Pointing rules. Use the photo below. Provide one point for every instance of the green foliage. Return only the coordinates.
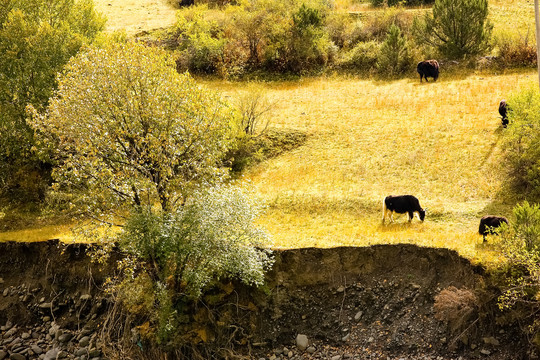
(131, 131)
(343, 29)
(200, 40)
(522, 143)
(457, 28)
(309, 46)
(211, 237)
(399, 2)
(37, 38)
(363, 57)
(394, 58)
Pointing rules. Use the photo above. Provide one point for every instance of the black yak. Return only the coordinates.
(428, 68)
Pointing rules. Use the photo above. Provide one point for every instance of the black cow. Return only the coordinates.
(402, 204)
(503, 110)
(490, 224)
(428, 68)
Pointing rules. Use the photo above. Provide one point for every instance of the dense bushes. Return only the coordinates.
(522, 143)
(278, 36)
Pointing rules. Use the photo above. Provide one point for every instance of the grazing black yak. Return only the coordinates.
(490, 224)
(402, 204)
(428, 68)
(503, 110)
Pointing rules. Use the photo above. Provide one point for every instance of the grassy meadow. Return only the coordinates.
(368, 139)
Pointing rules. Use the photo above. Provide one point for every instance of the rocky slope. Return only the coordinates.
(342, 303)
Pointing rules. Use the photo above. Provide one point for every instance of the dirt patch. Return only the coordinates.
(364, 303)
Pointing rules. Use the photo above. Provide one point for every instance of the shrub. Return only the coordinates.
(520, 244)
(516, 51)
(456, 307)
(309, 45)
(457, 28)
(394, 58)
(343, 29)
(377, 25)
(363, 57)
(399, 2)
(521, 143)
(211, 237)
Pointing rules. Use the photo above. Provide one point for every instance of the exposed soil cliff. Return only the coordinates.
(365, 303)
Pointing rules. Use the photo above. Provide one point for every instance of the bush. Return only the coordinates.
(516, 51)
(399, 2)
(377, 25)
(521, 143)
(456, 307)
(309, 45)
(520, 244)
(343, 29)
(457, 28)
(211, 237)
(394, 58)
(363, 57)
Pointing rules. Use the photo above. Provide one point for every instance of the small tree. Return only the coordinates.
(457, 28)
(131, 131)
(394, 57)
(309, 46)
(37, 38)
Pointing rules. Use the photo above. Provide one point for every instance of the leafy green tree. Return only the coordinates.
(37, 38)
(522, 143)
(394, 57)
(132, 131)
(457, 28)
(309, 45)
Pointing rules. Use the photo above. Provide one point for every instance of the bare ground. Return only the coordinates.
(351, 303)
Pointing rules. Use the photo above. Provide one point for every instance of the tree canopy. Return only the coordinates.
(133, 131)
(37, 38)
(457, 28)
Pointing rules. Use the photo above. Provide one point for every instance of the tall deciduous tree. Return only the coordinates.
(457, 28)
(132, 130)
(37, 38)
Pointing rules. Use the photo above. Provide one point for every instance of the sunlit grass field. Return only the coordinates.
(368, 139)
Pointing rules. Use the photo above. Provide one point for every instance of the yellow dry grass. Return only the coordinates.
(368, 139)
(135, 16)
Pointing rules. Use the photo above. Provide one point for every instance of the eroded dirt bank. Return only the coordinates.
(365, 303)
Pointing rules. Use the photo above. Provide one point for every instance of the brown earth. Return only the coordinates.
(352, 303)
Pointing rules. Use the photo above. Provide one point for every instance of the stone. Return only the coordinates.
(51, 354)
(3, 354)
(485, 352)
(491, 341)
(65, 337)
(311, 349)
(85, 341)
(17, 356)
(358, 315)
(340, 289)
(36, 349)
(25, 335)
(93, 353)
(81, 352)
(302, 342)
(6, 292)
(346, 337)
(336, 357)
(10, 332)
(45, 305)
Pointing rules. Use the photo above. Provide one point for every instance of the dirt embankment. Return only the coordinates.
(366, 303)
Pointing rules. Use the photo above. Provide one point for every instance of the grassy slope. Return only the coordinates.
(364, 136)
(438, 141)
